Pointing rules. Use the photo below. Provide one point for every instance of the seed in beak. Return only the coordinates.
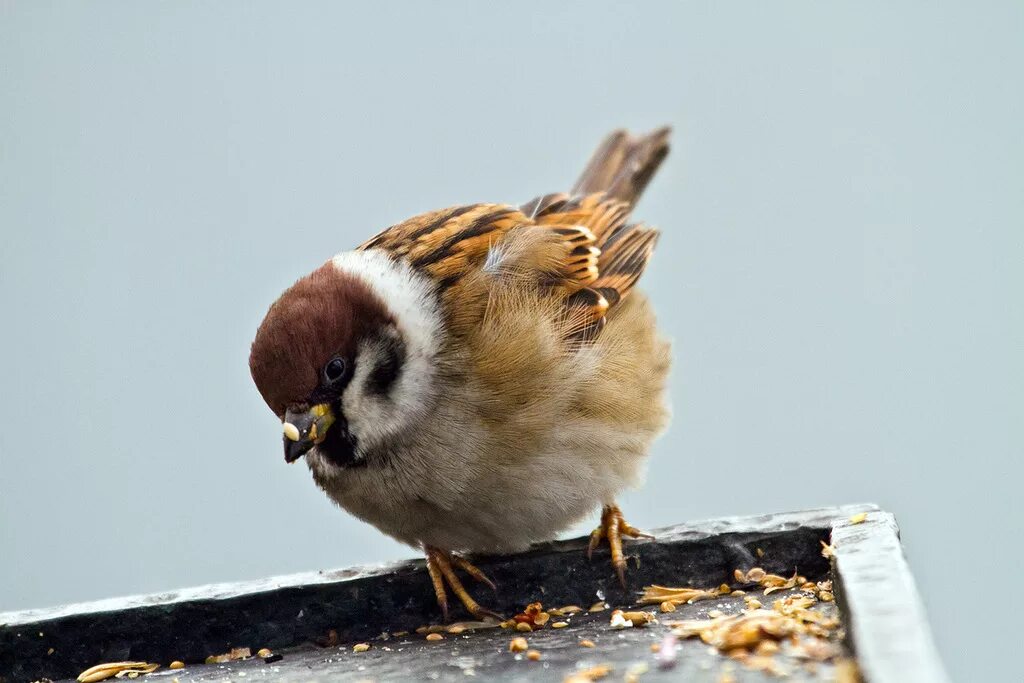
(291, 432)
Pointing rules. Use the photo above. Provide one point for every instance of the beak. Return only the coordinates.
(303, 430)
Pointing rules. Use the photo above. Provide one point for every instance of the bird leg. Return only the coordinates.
(439, 566)
(613, 527)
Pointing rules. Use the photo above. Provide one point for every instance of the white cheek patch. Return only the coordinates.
(409, 297)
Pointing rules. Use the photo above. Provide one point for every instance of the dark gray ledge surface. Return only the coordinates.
(889, 636)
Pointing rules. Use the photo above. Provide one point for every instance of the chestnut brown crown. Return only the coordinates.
(325, 314)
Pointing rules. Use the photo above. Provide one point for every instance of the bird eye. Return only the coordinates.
(334, 371)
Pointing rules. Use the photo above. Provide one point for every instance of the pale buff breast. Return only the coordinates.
(500, 465)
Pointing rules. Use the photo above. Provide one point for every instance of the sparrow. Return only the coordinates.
(479, 378)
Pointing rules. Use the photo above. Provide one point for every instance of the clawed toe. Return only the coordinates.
(613, 527)
(439, 566)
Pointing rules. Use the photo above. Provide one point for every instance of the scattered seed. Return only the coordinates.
(858, 518)
(264, 652)
(639, 618)
(667, 607)
(399, 634)
(533, 655)
(655, 647)
(598, 607)
(360, 647)
(434, 637)
(826, 596)
(587, 643)
(594, 673)
(619, 621)
(635, 672)
(523, 627)
(176, 664)
(715, 613)
(755, 575)
(760, 553)
(570, 609)
(559, 624)
(518, 645)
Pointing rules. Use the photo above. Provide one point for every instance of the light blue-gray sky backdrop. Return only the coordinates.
(843, 215)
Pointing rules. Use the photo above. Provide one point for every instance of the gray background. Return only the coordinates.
(840, 267)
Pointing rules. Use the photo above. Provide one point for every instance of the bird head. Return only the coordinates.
(338, 364)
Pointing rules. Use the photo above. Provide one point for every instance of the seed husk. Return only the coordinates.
(102, 672)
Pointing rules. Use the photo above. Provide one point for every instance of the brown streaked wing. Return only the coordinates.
(446, 243)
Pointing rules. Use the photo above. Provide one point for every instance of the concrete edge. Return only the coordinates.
(814, 518)
(887, 627)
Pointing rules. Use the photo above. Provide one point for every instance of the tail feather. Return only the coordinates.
(623, 164)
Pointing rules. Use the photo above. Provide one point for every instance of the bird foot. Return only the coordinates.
(441, 566)
(613, 527)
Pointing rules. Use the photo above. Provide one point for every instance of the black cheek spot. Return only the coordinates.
(387, 371)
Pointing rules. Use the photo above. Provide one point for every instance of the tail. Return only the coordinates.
(601, 201)
(623, 164)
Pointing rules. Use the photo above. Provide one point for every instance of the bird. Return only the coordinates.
(479, 378)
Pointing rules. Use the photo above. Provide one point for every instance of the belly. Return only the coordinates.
(495, 499)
